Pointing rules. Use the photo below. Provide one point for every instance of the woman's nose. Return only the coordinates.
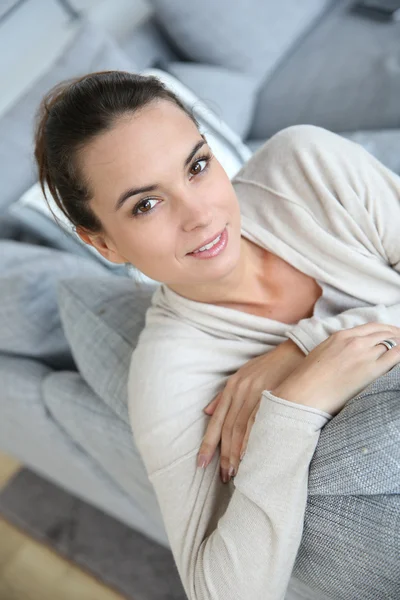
(195, 212)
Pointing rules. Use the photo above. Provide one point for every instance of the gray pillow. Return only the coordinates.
(146, 45)
(229, 93)
(90, 50)
(343, 76)
(95, 428)
(350, 547)
(250, 36)
(102, 319)
(383, 144)
(30, 323)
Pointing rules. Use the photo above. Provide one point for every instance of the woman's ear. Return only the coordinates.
(102, 245)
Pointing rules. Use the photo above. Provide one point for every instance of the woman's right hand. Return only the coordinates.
(341, 367)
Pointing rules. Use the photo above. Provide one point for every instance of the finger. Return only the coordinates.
(247, 434)
(238, 403)
(209, 409)
(367, 328)
(243, 423)
(373, 341)
(368, 350)
(212, 436)
(238, 436)
(388, 358)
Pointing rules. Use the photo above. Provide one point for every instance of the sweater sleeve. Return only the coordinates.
(373, 193)
(236, 540)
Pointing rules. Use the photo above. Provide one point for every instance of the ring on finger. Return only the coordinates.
(388, 343)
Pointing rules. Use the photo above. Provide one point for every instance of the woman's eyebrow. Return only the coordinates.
(151, 188)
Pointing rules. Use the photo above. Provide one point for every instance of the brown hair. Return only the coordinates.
(74, 112)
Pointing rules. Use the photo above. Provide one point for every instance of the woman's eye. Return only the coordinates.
(141, 204)
(202, 159)
(197, 163)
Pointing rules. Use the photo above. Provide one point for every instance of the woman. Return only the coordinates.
(306, 228)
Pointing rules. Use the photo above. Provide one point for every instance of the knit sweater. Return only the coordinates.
(329, 208)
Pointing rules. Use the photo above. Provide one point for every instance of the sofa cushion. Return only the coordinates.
(384, 144)
(350, 543)
(91, 49)
(102, 319)
(146, 45)
(108, 441)
(30, 323)
(229, 93)
(343, 81)
(250, 36)
(29, 432)
(33, 213)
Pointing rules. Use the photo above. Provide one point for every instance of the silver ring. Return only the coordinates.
(388, 343)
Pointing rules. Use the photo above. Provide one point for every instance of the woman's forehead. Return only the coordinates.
(137, 154)
(150, 133)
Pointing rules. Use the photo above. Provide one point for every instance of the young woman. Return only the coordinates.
(279, 297)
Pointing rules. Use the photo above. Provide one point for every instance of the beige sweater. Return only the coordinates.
(329, 208)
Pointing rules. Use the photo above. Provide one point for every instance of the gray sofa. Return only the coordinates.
(68, 320)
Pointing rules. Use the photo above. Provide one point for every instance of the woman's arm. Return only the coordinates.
(243, 542)
(370, 194)
(230, 541)
(330, 206)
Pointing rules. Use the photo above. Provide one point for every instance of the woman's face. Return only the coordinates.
(192, 200)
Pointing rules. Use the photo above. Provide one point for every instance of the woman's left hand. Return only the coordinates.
(234, 409)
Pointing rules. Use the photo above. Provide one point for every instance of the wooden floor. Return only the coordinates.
(31, 571)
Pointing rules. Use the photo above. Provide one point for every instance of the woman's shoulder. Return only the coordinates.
(280, 147)
(306, 172)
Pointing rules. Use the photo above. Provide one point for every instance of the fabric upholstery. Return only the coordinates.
(351, 541)
(96, 429)
(217, 86)
(30, 323)
(33, 213)
(344, 76)
(102, 319)
(147, 47)
(364, 438)
(384, 144)
(250, 36)
(350, 547)
(30, 434)
(90, 50)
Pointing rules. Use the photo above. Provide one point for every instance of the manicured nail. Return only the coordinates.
(225, 475)
(202, 461)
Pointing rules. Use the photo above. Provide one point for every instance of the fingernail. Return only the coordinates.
(202, 461)
(225, 476)
(231, 471)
